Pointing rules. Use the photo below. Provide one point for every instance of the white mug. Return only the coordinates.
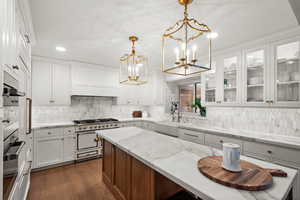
(231, 157)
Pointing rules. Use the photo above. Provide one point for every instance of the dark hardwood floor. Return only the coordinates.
(81, 181)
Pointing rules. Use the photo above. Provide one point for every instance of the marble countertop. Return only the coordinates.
(279, 140)
(39, 125)
(177, 160)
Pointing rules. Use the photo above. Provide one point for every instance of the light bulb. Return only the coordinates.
(212, 35)
(177, 54)
(194, 52)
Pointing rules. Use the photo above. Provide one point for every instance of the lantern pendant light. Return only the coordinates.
(133, 67)
(179, 46)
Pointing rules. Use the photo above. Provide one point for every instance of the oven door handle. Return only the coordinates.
(29, 115)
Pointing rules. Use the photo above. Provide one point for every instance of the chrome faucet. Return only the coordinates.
(175, 107)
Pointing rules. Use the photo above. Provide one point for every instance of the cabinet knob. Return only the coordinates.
(221, 141)
(269, 152)
(51, 101)
(16, 67)
(49, 133)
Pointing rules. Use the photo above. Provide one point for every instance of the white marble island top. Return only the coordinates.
(177, 160)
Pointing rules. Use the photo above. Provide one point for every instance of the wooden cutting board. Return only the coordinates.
(252, 177)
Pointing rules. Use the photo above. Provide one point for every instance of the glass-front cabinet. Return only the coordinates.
(287, 73)
(231, 66)
(264, 76)
(210, 85)
(255, 67)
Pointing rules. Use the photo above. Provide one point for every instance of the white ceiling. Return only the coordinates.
(97, 31)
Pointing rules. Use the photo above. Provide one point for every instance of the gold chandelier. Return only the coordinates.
(183, 37)
(133, 67)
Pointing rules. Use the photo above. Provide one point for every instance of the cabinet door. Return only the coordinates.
(255, 79)
(142, 180)
(287, 73)
(22, 101)
(211, 86)
(69, 148)
(61, 84)
(48, 151)
(122, 174)
(108, 161)
(41, 83)
(231, 80)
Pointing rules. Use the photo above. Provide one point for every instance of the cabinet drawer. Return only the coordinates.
(286, 154)
(191, 136)
(217, 141)
(257, 150)
(69, 131)
(167, 130)
(53, 132)
(272, 152)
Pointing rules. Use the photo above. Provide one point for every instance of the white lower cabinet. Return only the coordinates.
(69, 148)
(53, 146)
(260, 151)
(48, 151)
(166, 130)
(217, 141)
(279, 155)
(191, 136)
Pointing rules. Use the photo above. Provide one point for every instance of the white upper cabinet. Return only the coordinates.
(230, 72)
(61, 84)
(212, 85)
(266, 75)
(287, 73)
(50, 83)
(255, 79)
(94, 80)
(41, 82)
(9, 38)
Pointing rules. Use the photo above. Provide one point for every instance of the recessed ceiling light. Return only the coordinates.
(60, 49)
(212, 35)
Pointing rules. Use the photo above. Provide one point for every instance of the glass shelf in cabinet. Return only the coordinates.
(284, 60)
(287, 82)
(230, 88)
(256, 85)
(255, 67)
(210, 89)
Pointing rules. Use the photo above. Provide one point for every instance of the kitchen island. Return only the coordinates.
(176, 160)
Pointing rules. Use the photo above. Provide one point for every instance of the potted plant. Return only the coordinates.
(197, 105)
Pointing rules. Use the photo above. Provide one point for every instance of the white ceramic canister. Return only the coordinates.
(231, 157)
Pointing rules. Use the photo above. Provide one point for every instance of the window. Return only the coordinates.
(190, 98)
(186, 94)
